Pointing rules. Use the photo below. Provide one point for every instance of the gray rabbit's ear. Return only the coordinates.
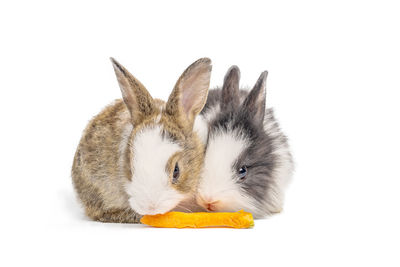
(255, 101)
(136, 97)
(230, 88)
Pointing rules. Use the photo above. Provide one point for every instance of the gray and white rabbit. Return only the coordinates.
(140, 155)
(247, 164)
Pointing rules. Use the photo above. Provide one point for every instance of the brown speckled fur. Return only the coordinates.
(100, 170)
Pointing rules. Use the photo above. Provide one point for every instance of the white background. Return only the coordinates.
(334, 82)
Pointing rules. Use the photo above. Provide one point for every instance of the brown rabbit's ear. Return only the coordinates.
(230, 88)
(190, 93)
(255, 101)
(138, 100)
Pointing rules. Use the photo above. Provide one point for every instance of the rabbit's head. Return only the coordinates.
(239, 160)
(163, 156)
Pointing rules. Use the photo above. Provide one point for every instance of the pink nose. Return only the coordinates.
(211, 206)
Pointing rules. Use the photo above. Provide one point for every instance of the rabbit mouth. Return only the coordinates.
(207, 203)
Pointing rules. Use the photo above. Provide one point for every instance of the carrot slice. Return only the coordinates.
(175, 219)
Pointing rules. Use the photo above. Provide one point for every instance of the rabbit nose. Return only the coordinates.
(211, 206)
(208, 203)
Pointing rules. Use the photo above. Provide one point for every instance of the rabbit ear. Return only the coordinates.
(190, 93)
(255, 101)
(230, 88)
(138, 100)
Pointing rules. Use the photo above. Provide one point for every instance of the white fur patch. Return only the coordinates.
(218, 184)
(202, 121)
(150, 190)
(212, 113)
(201, 128)
(158, 118)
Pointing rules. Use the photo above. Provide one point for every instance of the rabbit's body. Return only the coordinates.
(100, 181)
(140, 155)
(240, 132)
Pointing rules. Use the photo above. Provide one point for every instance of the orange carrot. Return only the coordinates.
(176, 219)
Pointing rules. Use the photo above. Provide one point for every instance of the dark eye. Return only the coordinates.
(175, 174)
(242, 173)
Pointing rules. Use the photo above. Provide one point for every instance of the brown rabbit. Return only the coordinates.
(140, 155)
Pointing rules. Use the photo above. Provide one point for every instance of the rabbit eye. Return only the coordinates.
(175, 174)
(242, 173)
